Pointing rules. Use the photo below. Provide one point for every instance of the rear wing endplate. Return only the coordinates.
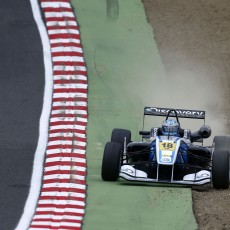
(182, 113)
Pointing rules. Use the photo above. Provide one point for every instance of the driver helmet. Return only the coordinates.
(170, 127)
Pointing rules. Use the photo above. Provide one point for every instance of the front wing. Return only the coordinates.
(128, 172)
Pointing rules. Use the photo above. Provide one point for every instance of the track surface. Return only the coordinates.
(125, 73)
(21, 95)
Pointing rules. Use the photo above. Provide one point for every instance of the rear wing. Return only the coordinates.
(182, 113)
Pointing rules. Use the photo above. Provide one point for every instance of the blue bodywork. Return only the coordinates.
(181, 155)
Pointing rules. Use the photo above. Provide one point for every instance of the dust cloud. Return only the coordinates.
(193, 40)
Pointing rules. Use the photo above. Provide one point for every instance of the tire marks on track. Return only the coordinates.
(112, 9)
(61, 203)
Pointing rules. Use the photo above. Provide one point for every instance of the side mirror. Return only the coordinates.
(144, 133)
(205, 131)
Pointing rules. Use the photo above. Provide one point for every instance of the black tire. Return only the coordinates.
(111, 162)
(221, 142)
(118, 136)
(220, 169)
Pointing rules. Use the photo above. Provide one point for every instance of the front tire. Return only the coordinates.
(111, 162)
(220, 169)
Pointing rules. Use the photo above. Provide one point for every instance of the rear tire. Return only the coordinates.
(111, 162)
(118, 136)
(221, 142)
(220, 169)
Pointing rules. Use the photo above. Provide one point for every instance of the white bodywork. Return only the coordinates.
(128, 172)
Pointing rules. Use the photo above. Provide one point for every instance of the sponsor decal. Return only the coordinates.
(155, 131)
(203, 175)
(185, 133)
(167, 154)
(127, 170)
(166, 159)
(180, 112)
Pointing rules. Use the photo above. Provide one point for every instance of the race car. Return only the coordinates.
(168, 154)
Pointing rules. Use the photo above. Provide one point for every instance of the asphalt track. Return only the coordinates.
(125, 73)
(21, 98)
(122, 62)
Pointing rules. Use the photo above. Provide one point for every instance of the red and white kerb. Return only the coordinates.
(61, 203)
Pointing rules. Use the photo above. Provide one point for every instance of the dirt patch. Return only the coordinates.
(194, 43)
(212, 208)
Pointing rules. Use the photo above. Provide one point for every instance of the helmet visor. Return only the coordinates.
(170, 129)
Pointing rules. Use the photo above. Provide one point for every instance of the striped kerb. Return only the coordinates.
(61, 203)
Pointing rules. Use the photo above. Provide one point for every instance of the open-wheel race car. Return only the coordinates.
(168, 154)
